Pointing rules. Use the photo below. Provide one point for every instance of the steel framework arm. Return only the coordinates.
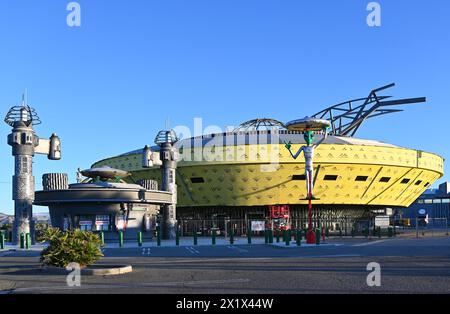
(347, 117)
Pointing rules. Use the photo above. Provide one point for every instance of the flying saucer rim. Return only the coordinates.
(308, 124)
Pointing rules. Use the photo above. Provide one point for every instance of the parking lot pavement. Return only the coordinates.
(244, 275)
(332, 247)
(407, 266)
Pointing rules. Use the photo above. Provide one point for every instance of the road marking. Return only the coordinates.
(235, 259)
(206, 260)
(369, 243)
(192, 250)
(329, 256)
(5, 253)
(240, 250)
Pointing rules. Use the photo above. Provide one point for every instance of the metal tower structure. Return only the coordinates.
(347, 117)
(169, 157)
(25, 143)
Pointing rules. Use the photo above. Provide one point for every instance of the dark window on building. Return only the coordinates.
(427, 184)
(299, 177)
(419, 182)
(329, 177)
(361, 178)
(385, 179)
(405, 181)
(198, 180)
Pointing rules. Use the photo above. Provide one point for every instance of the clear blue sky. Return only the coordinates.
(109, 86)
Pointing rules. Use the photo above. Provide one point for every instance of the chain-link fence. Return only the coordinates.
(221, 227)
(431, 227)
(344, 227)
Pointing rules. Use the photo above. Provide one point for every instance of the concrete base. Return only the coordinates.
(105, 270)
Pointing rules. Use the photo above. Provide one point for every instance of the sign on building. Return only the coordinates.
(382, 221)
(102, 220)
(120, 224)
(258, 225)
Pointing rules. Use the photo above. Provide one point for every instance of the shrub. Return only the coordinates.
(82, 247)
(40, 229)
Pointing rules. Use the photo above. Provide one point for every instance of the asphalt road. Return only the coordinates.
(407, 266)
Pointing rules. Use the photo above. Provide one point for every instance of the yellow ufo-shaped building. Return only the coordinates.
(240, 174)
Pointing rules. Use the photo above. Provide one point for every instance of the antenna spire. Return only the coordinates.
(25, 97)
(167, 123)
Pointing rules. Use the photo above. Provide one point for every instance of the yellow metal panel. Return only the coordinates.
(246, 175)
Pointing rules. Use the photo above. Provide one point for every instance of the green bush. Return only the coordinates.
(82, 247)
(40, 229)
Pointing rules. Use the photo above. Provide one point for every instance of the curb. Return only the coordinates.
(108, 271)
(100, 270)
(294, 245)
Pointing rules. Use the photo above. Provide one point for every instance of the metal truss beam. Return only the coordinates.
(347, 117)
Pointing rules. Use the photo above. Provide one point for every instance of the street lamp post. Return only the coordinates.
(308, 125)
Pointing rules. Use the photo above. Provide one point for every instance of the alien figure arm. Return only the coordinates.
(288, 146)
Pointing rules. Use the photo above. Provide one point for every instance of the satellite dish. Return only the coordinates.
(308, 124)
